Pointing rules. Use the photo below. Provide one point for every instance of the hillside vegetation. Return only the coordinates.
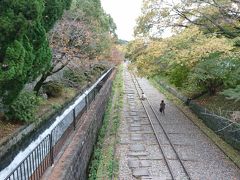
(50, 50)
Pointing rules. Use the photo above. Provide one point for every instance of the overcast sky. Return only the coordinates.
(124, 14)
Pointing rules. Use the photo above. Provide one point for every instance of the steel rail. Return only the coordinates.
(155, 133)
(164, 131)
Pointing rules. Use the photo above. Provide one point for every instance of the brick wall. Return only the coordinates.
(75, 166)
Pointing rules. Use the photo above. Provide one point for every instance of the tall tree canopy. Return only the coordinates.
(202, 53)
(221, 17)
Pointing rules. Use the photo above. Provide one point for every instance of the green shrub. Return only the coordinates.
(94, 71)
(233, 93)
(77, 78)
(236, 41)
(214, 72)
(99, 68)
(178, 75)
(24, 107)
(88, 75)
(53, 89)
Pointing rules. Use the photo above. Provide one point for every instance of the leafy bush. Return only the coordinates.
(192, 90)
(99, 68)
(233, 93)
(232, 76)
(53, 89)
(88, 75)
(24, 107)
(94, 72)
(178, 74)
(216, 72)
(75, 78)
(209, 73)
(236, 41)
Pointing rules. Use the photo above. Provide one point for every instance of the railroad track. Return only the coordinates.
(176, 172)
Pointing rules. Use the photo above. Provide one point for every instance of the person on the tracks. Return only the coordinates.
(143, 96)
(162, 107)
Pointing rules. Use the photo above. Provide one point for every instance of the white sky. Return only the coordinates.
(124, 14)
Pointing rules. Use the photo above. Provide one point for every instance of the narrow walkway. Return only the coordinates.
(139, 154)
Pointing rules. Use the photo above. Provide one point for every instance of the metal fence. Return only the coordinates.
(228, 130)
(43, 156)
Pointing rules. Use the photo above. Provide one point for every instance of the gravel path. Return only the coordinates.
(138, 151)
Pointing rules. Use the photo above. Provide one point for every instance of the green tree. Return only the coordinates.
(232, 82)
(178, 74)
(211, 72)
(24, 47)
(101, 23)
(53, 11)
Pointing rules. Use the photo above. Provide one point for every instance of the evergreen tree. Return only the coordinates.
(24, 49)
(53, 11)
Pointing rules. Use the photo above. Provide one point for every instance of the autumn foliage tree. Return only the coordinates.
(221, 17)
(189, 59)
(202, 52)
(84, 33)
(116, 54)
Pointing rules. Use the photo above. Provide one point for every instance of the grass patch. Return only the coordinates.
(97, 154)
(103, 164)
(232, 153)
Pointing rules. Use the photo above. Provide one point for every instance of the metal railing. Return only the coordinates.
(43, 156)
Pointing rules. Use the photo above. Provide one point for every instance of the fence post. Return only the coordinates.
(86, 101)
(51, 148)
(94, 93)
(74, 119)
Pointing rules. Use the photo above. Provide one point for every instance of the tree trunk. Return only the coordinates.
(39, 84)
(212, 89)
(46, 74)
